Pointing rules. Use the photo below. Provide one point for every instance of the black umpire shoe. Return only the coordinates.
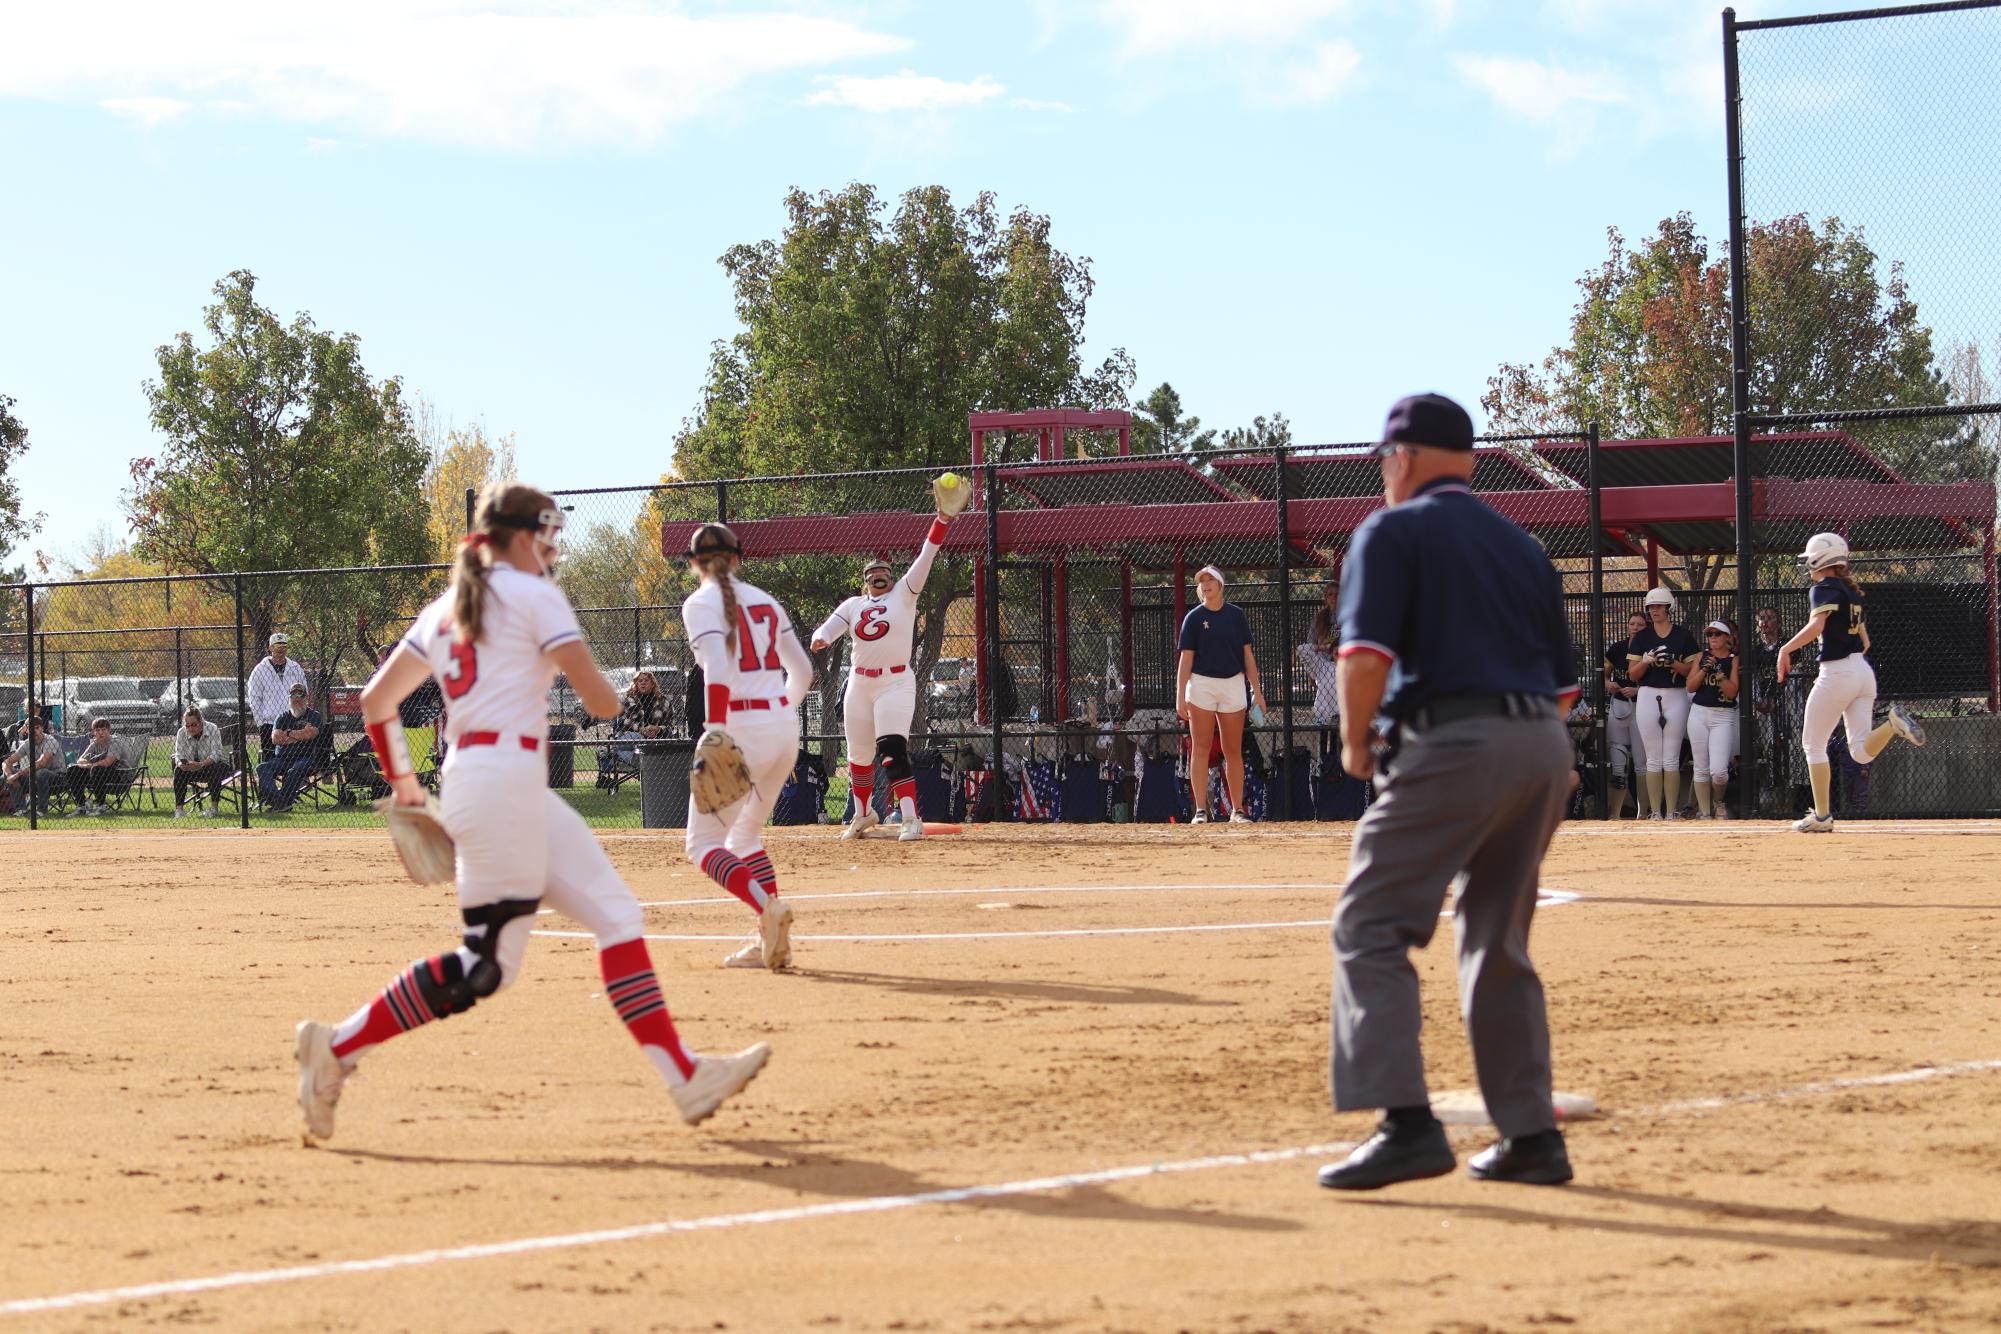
(1532, 1160)
(1392, 1155)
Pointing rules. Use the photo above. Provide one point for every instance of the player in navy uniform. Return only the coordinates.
(1845, 690)
(1712, 717)
(1659, 658)
(1620, 692)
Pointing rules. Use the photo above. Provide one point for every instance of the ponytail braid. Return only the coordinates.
(717, 567)
(1847, 580)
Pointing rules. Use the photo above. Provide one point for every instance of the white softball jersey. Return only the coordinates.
(883, 627)
(499, 683)
(768, 662)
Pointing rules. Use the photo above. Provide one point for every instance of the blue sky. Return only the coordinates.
(1304, 205)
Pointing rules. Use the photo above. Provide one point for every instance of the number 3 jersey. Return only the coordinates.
(500, 682)
(768, 661)
(884, 626)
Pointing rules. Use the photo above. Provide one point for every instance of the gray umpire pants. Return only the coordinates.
(1472, 803)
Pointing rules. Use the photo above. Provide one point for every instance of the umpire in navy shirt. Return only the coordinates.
(1452, 629)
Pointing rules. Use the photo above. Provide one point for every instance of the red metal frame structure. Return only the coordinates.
(1659, 495)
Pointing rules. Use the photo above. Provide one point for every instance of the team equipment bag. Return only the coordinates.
(420, 839)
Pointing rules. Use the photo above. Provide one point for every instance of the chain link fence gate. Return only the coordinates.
(1864, 157)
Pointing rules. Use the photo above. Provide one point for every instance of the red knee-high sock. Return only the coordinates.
(902, 788)
(762, 871)
(861, 779)
(735, 876)
(635, 994)
(400, 1008)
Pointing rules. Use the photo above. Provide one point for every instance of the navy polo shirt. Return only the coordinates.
(1461, 600)
(1218, 638)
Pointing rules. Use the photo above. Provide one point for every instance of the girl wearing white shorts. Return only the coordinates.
(495, 642)
(1216, 661)
(757, 672)
(1712, 717)
(1845, 690)
(1659, 658)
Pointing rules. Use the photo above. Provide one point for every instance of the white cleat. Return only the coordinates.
(1907, 727)
(912, 831)
(750, 956)
(774, 934)
(320, 1076)
(865, 820)
(1238, 817)
(1810, 823)
(1200, 817)
(715, 1079)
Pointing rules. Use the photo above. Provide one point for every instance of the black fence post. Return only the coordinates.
(1285, 634)
(28, 711)
(997, 775)
(243, 722)
(635, 638)
(1601, 715)
(722, 502)
(1740, 406)
(180, 680)
(472, 497)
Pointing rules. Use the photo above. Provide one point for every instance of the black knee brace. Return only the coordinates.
(894, 754)
(447, 985)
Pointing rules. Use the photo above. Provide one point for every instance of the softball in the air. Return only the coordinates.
(950, 481)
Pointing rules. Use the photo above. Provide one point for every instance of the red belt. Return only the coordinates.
(879, 671)
(494, 739)
(738, 705)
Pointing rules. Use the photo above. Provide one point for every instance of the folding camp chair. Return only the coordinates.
(130, 783)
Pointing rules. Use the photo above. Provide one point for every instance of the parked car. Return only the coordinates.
(951, 687)
(117, 699)
(342, 703)
(215, 696)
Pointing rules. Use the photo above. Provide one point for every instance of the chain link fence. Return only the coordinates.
(1864, 169)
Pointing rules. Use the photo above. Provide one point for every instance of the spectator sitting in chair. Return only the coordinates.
(37, 760)
(294, 743)
(643, 716)
(197, 760)
(93, 772)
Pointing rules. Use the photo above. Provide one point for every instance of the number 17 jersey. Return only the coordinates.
(756, 668)
(500, 682)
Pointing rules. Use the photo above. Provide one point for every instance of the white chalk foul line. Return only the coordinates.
(714, 899)
(876, 1204)
(666, 1227)
(1548, 898)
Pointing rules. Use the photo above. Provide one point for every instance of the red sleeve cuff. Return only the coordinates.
(937, 535)
(719, 704)
(1355, 646)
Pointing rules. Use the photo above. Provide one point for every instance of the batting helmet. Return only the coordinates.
(1825, 549)
(878, 563)
(1660, 597)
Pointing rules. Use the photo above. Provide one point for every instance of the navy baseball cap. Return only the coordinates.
(1427, 419)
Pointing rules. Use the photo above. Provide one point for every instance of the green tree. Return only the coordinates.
(1163, 428)
(15, 527)
(281, 453)
(461, 459)
(868, 335)
(1262, 433)
(1649, 348)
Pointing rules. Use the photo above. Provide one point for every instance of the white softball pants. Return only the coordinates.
(1844, 692)
(1660, 718)
(770, 745)
(877, 706)
(1619, 737)
(1712, 735)
(518, 840)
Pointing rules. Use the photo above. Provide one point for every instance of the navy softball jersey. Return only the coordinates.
(1843, 636)
(1679, 643)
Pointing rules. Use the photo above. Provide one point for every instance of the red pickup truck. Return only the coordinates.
(343, 707)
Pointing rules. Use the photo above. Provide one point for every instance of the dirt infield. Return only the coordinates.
(1045, 1015)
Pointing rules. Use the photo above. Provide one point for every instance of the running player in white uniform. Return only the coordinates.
(495, 642)
(757, 672)
(882, 690)
(1845, 690)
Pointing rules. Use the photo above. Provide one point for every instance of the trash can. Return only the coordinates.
(663, 783)
(562, 755)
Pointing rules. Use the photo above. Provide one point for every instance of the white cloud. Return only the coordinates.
(1037, 104)
(507, 74)
(1328, 70)
(1537, 91)
(903, 91)
(1160, 27)
(146, 111)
